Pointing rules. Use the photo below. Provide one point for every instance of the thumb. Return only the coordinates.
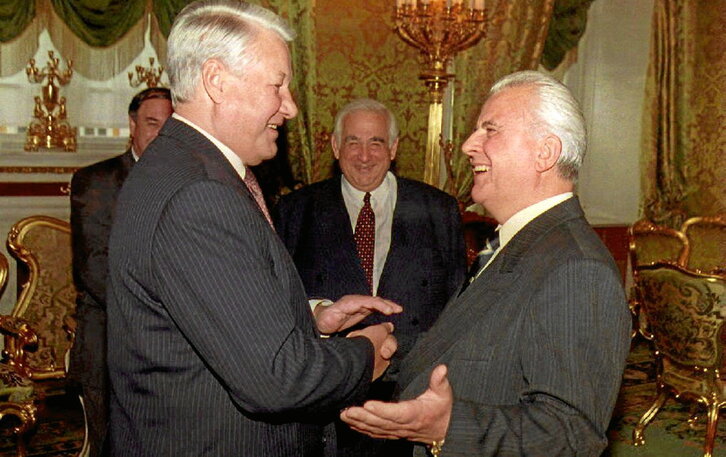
(438, 382)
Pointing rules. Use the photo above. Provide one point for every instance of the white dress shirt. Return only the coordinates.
(229, 154)
(383, 202)
(521, 218)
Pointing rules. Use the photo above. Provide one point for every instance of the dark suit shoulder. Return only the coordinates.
(311, 191)
(424, 191)
(114, 169)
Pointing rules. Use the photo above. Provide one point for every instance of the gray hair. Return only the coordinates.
(557, 112)
(366, 104)
(215, 29)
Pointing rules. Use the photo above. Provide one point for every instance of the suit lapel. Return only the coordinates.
(500, 277)
(397, 262)
(337, 221)
(215, 163)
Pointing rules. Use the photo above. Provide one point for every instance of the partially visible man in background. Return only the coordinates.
(93, 199)
(215, 351)
(371, 232)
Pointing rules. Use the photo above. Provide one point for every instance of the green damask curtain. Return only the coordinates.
(15, 16)
(514, 41)
(684, 139)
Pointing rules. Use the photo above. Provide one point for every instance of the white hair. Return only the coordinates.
(215, 29)
(557, 112)
(366, 104)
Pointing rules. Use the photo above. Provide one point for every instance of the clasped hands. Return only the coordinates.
(350, 310)
(426, 417)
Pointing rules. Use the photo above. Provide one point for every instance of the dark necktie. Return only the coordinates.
(481, 260)
(256, 191)
(365, 238)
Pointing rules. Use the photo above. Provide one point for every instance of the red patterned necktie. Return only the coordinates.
(256, 190)
(365, 238)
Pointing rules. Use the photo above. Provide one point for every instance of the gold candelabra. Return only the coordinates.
(49, 127)
(149, 75)
(439, 29)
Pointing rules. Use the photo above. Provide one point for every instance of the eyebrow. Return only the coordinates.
(378, 138)
(489, 124)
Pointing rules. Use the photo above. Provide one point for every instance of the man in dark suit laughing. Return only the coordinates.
(526, 359)
(215, 350)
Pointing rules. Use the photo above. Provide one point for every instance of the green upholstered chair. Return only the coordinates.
(43, 245)
(707, 243)
(649, 243)
(685, 313)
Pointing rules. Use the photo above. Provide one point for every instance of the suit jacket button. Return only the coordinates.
(425, 283)
(414, 321)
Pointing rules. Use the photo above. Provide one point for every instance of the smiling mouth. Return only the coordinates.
(273, 126)
(480, 169)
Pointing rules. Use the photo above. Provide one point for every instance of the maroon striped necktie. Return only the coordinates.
(256, 190)
(365, 238)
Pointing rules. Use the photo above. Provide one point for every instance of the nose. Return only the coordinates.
(288, 108)
(468, 146)
(365, 154)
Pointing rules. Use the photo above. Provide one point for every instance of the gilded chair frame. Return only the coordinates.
(685, 313)
(17, 345)
(645, 229)
(717, 222)
(4, 267)
(23, 411)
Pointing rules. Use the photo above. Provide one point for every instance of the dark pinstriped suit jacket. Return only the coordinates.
(535, 347)
(425, 265)
(93, 197)
(213, 349)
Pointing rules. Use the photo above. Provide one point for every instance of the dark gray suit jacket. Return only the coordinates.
(535, 347)
(93, 197)
(213, 349)
(425, 265)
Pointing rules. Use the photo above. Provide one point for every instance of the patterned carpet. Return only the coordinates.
(60, 425)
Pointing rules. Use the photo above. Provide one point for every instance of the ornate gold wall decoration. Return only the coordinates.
(146, 75)
(49, 128)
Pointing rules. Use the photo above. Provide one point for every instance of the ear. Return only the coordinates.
(394, 148)
(336, 147)
(132, 126)
(550, 148)
(214, 74)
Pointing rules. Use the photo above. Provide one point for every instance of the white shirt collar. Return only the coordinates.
(523, 217)
(377, 194)
(231, 157)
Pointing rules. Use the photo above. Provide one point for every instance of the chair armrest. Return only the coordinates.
(22, 337)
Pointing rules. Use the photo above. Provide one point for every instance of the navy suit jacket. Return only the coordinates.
(535, 346)
(213, 348)
(426, 261)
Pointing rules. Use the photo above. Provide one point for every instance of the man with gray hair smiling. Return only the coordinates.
(412, 253)
(213, 350)
(526, 359)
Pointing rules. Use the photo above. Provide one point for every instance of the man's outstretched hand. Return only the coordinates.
(425, 418)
